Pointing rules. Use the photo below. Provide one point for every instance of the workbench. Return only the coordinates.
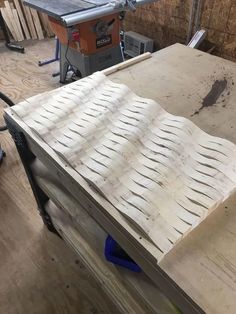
(198, 275)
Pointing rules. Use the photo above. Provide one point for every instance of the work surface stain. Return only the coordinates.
(211, 98)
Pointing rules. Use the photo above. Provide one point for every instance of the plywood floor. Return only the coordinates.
(38, 273)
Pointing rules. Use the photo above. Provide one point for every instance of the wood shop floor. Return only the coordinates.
(38, 272)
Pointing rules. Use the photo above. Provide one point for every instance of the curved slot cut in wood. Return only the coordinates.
(162, 172)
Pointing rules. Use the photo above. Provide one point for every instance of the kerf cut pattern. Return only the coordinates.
(160, 171)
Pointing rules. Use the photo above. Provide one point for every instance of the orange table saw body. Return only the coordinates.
(91, 36)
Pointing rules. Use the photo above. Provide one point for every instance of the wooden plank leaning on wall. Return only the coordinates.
(24, 22)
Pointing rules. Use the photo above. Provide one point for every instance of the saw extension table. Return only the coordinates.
(88, 31)
(198, 273)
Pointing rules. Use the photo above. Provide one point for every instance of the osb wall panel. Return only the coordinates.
(166, 21)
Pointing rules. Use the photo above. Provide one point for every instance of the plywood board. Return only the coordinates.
(45, 23)
(160, 171)
(11, 17)
(8, 23)
(181, 79)
(17, 22)
(37, 24)
(29, 21)
(22, 19)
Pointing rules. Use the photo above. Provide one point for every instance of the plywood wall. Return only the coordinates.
(166, 21)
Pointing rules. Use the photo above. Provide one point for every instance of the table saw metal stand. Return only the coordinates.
(56, 57)
(88, 47)
(87, 64)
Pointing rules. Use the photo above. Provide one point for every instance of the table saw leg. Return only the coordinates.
(64, 67)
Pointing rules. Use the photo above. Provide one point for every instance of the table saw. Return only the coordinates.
(88, 31)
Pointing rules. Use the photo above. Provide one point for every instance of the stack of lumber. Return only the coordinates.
(24, 22)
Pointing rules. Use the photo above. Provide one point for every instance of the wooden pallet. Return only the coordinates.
(160, 171)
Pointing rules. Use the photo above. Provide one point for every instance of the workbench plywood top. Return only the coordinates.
(182, 80)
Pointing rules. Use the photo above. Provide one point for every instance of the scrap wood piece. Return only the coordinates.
(37, 24)
(22, 19)
(11, 19)
(8, 22)
(29, 21)
(46, 24)
(127, 63)
(163, 173)
(17, 22)
(10, 14)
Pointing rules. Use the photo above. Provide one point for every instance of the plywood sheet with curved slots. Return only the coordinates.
(160, 171)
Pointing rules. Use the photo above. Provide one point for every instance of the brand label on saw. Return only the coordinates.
(103, 41)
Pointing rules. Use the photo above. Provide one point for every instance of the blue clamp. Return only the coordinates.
(116, 255)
